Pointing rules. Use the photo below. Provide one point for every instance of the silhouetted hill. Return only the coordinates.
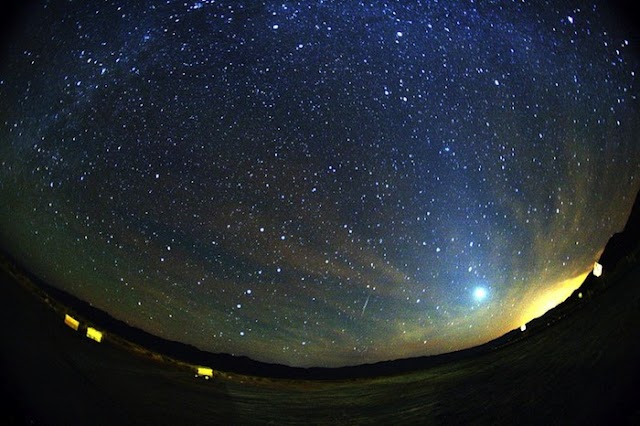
(616, 258)
(624, 242)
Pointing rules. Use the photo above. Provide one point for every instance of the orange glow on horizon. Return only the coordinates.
(550, 298)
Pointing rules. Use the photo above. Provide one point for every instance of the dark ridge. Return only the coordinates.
(617, 258)
(624, 242)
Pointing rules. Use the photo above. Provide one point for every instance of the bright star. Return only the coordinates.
(479, 293)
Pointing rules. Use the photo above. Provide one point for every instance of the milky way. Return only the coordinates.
(318, 183)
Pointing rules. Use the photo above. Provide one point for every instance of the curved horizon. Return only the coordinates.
(111, 329)
(314, 183)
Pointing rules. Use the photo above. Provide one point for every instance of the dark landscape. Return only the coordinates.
(578, 364)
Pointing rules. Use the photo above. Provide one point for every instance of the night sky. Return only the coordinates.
(318, 183)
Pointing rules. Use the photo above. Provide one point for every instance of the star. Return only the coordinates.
(479, 293)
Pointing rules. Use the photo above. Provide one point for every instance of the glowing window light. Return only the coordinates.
(71, 322)
(94, 334)
(205, 372)
(597, 269)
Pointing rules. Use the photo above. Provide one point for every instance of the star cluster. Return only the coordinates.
(317, 183)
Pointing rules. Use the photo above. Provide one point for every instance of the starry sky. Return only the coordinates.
(318, 183)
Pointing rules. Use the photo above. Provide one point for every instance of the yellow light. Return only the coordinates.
(597, 269)
(71, 322)
(94, 334)
(551, 298)
(204, 371)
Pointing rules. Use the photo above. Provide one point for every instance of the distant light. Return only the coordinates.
(479, 293)
(205, 372)
(597, 269)
(94, 334)
(580, 295)
(71, 322)
(523, 327)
